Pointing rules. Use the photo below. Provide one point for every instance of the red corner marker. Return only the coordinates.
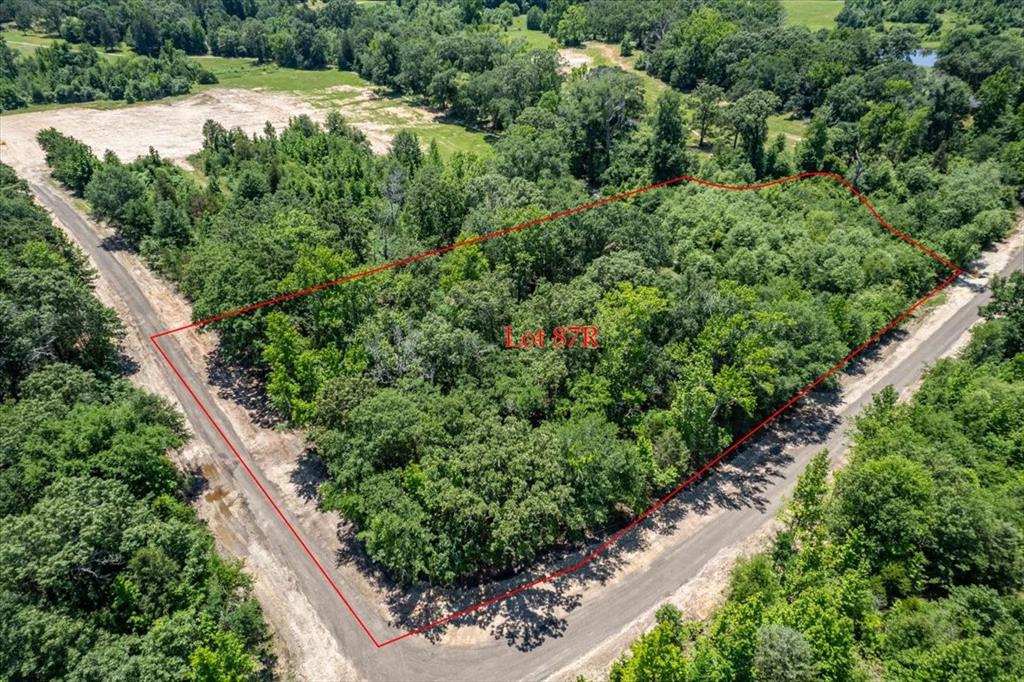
(955, 272)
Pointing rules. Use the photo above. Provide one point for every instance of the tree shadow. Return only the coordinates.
(195, 485)
(530, 616)
(245, 386)
(116, 242)
(308, 474)
(126, 364)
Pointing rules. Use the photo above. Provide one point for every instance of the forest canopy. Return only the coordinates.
(909, 566)
(61, 74)
(454, 456)
(457, 458)
(105, 571)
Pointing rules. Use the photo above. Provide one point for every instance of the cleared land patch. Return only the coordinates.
(174, 127)
(273, 91)
(813, 14)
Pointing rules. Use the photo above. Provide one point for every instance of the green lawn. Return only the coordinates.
(813, 14)
(25, 42)
(246, 73)
(794, 129)
(452, 138)
(29, 41)
(534, 39)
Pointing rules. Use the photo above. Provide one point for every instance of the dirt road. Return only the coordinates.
(577, 623)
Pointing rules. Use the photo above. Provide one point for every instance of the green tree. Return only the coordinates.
(70, 161)
(747, 117)
(658, 655)
(628, 319)
(811, 152)
(535, 19)
(891, 502)
(809, 499)
(405, 149)
(572, 26)
(225, 660)
(1008, 306)
(708, 98)
(144, 34)
(782, 655)
(668, 146)
(599, 108)
(683, 57)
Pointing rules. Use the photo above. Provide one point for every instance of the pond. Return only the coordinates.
(923, 57)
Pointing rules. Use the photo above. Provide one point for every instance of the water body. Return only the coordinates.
(923, 58)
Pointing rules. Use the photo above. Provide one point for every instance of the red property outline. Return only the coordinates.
(956, 272)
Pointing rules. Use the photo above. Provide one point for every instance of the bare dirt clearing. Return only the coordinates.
(174, 129)
(574, 58)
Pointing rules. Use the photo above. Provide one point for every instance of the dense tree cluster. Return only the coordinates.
(105, 572)
(992, 14)
(456, 457)
(910, 567)
(48, 311)
(61, 74)
(857, 83)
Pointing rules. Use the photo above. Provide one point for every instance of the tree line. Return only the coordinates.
(991, 14)
(909, 566)
(61, 74)
(855, 83)
(105, 571)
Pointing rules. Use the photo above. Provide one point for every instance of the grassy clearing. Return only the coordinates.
(452, 138)
(652, 86)
(795, 130)
(950, 20)
(535, 40)
(607, 54)
(27, 42)
(599, 54)
(245, 73)
(813, 14)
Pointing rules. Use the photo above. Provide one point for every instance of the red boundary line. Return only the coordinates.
(956, 272)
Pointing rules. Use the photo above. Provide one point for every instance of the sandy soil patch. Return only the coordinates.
(573, 58)
(175, 129)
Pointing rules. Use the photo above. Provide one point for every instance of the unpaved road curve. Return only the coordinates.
(320, 641)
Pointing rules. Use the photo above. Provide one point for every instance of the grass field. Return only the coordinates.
(794, 129)
(813, 14)
(949, 19)
(534, 39)
(24, 42)
(28, 41)
(245, 73)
